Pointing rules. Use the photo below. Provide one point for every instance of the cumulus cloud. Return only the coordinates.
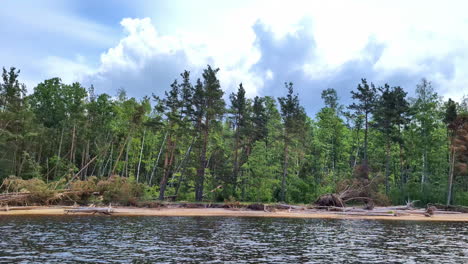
(312, 44)
(143, 62)
(146, 62)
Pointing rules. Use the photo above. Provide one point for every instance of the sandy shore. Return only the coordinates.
(208, 212)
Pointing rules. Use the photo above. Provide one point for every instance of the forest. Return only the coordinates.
(197, 143)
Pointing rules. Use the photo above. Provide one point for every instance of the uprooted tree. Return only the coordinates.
(358, 189)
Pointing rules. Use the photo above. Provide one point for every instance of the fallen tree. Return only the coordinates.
(454, 208)
(356, 190)
(92, 210)
(15, 197)
(35, 191)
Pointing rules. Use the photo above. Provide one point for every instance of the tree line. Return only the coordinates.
(192, 144)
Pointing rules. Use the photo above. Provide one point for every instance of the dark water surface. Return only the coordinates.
(149, 239)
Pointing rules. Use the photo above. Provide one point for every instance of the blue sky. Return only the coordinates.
(142, 46)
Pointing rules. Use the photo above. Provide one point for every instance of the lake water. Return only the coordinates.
(149, 239)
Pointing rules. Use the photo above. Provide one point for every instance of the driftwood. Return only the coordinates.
(93, 210)
(455, 208)
(409, 206)
(446, 212)
(256, 207)
(287, 207)
(430, 211)
(402, 207)
(358, 190)
(7, 208)
(330, 208)
(6, 198)
(369, 213)
(330, 200)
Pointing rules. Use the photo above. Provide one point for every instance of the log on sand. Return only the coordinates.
(455, 208)
(91, 210)
(6, 198)
(287, 207)
(369, 213)
(330, 200)
(8, 208)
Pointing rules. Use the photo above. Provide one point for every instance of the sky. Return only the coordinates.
(142, 46)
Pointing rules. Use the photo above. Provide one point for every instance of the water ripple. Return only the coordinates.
(96, 239)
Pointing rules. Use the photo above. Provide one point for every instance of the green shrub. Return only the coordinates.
(40, 192)
(120, 190)
(83, 190)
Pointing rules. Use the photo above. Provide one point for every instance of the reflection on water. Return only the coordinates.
(146, 239)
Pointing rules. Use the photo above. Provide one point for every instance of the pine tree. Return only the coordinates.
(330, 134)
(14, 118)
(259, 119)
(239, 120)
(449, 119)
(210, 104)
(330, 98)
(172, 106)
(365, 97)
(459, 151)
(12, 91)
(390, 115)
(294, 118)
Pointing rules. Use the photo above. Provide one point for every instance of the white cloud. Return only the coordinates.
(141, 43)
(420, 38)
(68, 70)
(53, 18)
(143, 46)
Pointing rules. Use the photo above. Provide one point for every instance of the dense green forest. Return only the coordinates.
(194, 145)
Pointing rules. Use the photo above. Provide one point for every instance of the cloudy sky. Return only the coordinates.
(142, 46)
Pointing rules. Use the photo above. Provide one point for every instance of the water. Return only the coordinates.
(147, 239)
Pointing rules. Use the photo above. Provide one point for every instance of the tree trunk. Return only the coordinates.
(236, 161)
(424, 170)
(285, 173)
(59, 152)
(168, 166)
(141, 154)
(402, 166)
(243, 185)
(82, 163)
(183, 164)
(109, 161)
(357, 148)
(366, 131)
(150, 182)
(85, 172)
(72, 147)
(47, 167)
(450, 179)
(201, 169)
(112, 172)
(125, 172)
(387, 166)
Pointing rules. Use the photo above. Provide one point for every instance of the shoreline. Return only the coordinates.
(221, 212)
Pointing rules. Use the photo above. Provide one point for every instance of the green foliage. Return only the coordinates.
(191, 146)
(39, 190)
(120, 190)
